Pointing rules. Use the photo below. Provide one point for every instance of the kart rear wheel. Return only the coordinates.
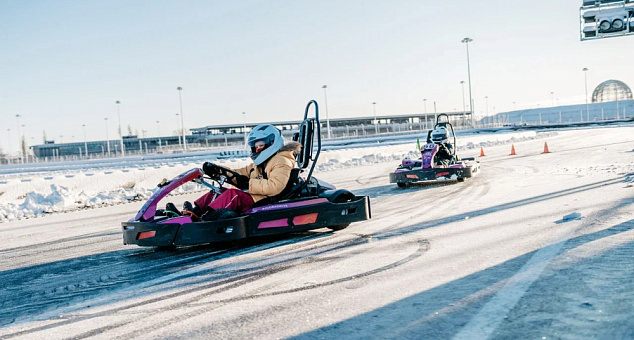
(343, 197)
(338, 227)
(401, 184)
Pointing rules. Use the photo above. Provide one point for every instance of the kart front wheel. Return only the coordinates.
(401, 185)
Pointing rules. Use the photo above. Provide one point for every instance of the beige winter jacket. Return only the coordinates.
(277, 169)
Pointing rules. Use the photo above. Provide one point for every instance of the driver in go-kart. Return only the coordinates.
(267, 176)
(440, 137)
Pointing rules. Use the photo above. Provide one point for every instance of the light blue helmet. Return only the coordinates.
(273, 142)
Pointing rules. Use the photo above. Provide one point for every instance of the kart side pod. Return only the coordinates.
(278, 218)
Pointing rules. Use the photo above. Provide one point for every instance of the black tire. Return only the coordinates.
(171, 247)
(338, 227)
(401, 184)
(461, 179)
(343, 197)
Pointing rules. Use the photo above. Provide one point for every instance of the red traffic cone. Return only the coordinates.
(512, 150)
(482, 152)
(546, 148)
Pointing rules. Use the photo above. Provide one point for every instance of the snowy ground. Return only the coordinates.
(536, 246)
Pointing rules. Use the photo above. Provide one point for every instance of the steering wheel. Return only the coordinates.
(231, 176)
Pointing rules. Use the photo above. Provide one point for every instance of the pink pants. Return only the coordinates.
(233, 199)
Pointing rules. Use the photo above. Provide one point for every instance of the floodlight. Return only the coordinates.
(606, 18)
(617, 24)
(604, 26)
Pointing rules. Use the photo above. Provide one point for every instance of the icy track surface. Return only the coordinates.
(537, 246)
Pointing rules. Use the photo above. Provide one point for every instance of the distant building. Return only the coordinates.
(223, 135)
(99, 149)
(233, 135)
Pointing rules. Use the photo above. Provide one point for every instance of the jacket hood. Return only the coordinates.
(292, 146)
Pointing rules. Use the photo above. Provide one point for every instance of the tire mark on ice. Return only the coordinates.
(228, 281)
(209, 306)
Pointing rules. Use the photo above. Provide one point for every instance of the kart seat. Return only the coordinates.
(293, 181)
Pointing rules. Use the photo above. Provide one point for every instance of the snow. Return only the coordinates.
(93, 184)
(487, 258)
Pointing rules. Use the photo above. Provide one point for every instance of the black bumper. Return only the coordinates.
(319, 216)
(410, 176)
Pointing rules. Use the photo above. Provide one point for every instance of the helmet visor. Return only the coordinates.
(258, 145)
(438, 137)
(268, 140)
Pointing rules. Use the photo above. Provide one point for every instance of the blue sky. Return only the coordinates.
(65, 63)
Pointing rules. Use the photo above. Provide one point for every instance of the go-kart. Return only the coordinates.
(432, 166)
(305, 204)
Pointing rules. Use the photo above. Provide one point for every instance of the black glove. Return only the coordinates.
(212, 170)
(242, 182)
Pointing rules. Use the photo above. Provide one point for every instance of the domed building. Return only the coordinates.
(611, 90)
(611, 100)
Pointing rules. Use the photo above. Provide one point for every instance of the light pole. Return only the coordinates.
(107, 138)
(376, 123)
(180, 101)
(464, 108)
(466, 41)
(326, 104)
(120, 133)
(244, 120)
(9, 154)
(425, 104)
(585, 73)
(552, 98)
(158, 133)
(17, 117)
(513, 106)
(486, 110)
(23, 145)
(85, 141)
(178, 129)
(616, 97)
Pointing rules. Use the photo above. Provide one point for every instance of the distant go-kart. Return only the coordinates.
(303, 205)
(430, 167)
